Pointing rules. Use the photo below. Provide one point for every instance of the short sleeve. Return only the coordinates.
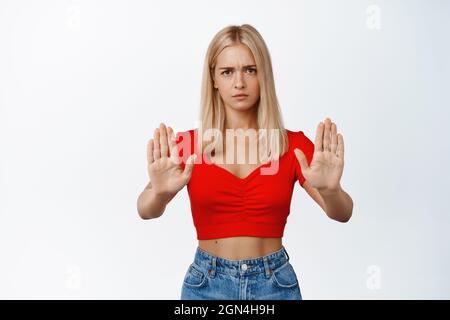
(303, 143)
(185, 143)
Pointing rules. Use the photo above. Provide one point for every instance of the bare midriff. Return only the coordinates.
(238, 248)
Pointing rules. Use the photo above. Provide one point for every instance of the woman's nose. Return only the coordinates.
(239, 80)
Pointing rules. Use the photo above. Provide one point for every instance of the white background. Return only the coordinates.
(84, 83)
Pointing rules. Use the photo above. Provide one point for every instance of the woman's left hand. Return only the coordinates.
(327, 164)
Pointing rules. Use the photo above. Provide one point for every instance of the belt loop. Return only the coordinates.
(212, 269)
(287, 255)
(267, 267)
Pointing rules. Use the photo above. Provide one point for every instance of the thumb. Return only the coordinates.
(301, 159)
(189, 166)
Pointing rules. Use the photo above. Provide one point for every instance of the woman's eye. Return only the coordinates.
(226, 72)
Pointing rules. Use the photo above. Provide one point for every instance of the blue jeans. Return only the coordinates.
(270, 277)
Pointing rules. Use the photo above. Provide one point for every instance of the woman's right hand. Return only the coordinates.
(165, 173)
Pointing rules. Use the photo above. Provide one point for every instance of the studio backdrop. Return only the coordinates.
(83, 84)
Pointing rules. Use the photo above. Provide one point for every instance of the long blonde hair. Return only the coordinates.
(212, 110)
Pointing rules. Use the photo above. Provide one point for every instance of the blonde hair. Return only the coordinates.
(212, 111)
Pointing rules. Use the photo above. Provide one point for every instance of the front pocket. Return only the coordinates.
(194, 277)
(284, 276)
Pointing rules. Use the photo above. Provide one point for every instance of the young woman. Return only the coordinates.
(240, 209)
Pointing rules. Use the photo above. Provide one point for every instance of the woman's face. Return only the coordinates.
(235, 73)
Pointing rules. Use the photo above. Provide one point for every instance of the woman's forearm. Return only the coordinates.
(338, 204)
(151, 205)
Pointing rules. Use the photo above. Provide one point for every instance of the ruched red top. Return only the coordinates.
(224, 205)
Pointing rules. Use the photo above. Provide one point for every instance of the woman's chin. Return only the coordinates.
(241, 106)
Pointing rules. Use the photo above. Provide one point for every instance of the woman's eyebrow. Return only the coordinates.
(248, 66)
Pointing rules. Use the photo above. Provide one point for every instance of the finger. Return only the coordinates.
(340, 146)
(173, 147)
(189, 166)
(318, 143)
(326, 137)
(163, 140)
(156, 145)
(150, 158)
(333, 138)
(301, 159)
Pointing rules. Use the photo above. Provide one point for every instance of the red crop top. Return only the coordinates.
(224, 205)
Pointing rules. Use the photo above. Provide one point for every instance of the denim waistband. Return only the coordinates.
(241, 267)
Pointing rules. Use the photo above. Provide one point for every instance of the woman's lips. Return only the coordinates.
(240, 97)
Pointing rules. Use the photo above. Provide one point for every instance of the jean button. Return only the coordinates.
(244, 267)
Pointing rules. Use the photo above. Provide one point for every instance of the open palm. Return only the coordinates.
(164, 170)
(327, 165)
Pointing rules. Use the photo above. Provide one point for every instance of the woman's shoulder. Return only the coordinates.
(297, 138)
(185, 135)
(185, 141)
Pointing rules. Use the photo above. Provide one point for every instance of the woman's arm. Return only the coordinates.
(165, 171)
(151, 205)
(323, 174)
(338, 205)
